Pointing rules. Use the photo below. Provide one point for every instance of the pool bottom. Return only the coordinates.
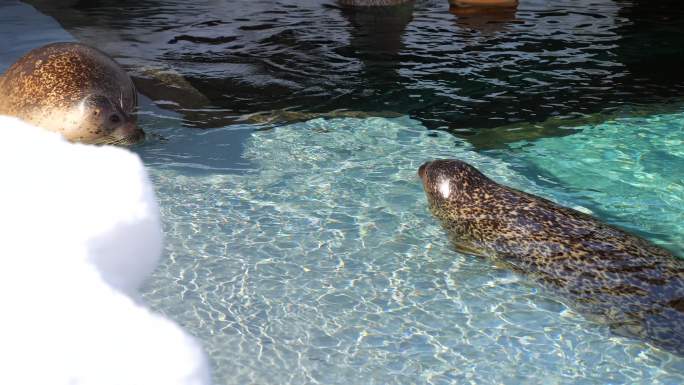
(321, 264)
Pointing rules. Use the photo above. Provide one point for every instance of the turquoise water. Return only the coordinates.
(631, 169)
(305, 253)
(318, 262)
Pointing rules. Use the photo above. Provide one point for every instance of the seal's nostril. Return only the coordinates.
(115, 118)
(137, 136)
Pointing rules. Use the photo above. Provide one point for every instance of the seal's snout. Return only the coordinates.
(138, 136)
(421, 171)
(130, 133)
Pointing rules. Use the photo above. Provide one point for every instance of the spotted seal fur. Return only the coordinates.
(75, 90)
(609, 275)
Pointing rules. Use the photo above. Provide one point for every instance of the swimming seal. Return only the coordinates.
(607, 274)
(75, 90)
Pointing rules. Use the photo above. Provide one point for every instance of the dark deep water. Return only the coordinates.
(560, 59)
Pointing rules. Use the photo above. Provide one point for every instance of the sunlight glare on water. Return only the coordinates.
(320, 263)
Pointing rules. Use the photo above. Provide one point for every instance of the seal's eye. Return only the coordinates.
(115, 118)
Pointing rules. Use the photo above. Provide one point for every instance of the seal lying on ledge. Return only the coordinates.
(609, 275)
(75, 90)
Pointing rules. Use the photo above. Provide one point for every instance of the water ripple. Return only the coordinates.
(321, 264)
(456, 72)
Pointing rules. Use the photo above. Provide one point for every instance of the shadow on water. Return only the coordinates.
(550, 61)
(651, 46)
(375, 43)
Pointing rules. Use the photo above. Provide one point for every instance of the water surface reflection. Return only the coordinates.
(215, 61)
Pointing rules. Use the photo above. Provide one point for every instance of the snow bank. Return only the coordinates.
(79, 233)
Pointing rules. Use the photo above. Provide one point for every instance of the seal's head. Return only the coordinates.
(101, 120)
(75, 90)
(451, 181)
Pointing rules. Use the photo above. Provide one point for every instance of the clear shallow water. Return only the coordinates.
(319, 263)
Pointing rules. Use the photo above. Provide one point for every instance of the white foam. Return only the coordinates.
(80, 232)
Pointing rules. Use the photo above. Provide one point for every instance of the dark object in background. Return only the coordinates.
(466, 74)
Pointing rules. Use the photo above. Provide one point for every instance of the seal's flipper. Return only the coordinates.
(465, 247)
(166, 83)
